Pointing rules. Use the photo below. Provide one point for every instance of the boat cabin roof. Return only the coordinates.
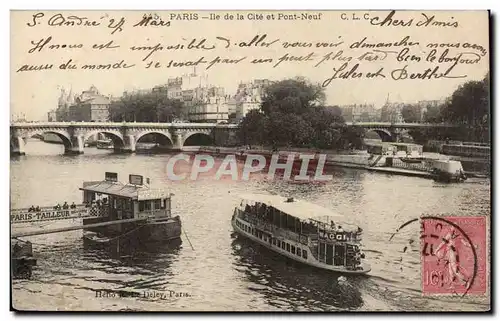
(294, 207)
(133, 192)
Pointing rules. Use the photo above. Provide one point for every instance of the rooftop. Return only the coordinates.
(298, 208)
(121, 190)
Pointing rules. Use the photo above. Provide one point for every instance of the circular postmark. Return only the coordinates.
(448, 253)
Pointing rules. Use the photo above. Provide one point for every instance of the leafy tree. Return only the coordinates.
(469, 105)
(292, 115)
(352, 137)
(411, 113)
(291, 96)
(149, 107)
(335, 110)
(253, 127)
(434, 114)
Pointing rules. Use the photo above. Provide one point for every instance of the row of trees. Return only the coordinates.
(469, 105)
(292, 113)
(147, 107)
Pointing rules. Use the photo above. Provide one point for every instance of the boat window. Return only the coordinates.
(288, 247)
(147, 205)
(298, 251)
(278, 243)
(157, 204)
(293, 249)
(141, 206)
(283, 245)
(164, 203)
(304, 254)
(274, 241)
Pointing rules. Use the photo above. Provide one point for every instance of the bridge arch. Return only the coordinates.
(384, 134)
(198, 138)
(155, 132)
(165, 138)
(64, 136)
(115, 136)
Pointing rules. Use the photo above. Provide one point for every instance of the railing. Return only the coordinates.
(275, 231)
(126, 124)
(466, 150)
(212, 125)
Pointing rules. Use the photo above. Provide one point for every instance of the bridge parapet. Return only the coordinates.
(126, 134)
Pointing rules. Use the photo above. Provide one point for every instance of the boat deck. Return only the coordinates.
(400, 171)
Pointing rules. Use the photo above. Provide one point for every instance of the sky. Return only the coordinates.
(34, 93)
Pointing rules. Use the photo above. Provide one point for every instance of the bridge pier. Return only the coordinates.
(76, 147)
(177, 141)
(129, 144)
(18, 146)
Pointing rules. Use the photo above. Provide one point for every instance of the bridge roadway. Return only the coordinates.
(126, 135)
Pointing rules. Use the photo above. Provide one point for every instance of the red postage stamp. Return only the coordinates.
(453, 255)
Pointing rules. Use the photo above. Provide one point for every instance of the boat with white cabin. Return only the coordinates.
(302, 231)
(105, 144)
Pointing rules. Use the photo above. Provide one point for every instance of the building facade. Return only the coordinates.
(249, 96)
(360, 113)
(89, 106)
(213, 109)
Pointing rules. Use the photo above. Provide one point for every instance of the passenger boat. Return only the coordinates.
(105, 144)
(301, 231)
(147, 212)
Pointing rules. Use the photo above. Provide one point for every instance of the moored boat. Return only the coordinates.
(145, 212)
(105, 144)
(301, 231)
(22, 259)
(448, 171)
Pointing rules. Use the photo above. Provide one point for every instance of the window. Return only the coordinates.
(298, 251)
(147, 205)
(141, 206)
(274, 241)
(157, 204)
(278, 243)
(283, 245)
(304, 254)
(288, 247)
(293, 249)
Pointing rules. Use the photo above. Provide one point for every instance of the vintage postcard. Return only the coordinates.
(250, 161)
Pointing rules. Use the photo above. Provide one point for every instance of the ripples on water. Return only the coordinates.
(226, 272)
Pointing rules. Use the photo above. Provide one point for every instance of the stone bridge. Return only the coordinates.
(176, 135)
(124, 135)
(393, 131)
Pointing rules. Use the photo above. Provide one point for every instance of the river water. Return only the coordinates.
(212, 268)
